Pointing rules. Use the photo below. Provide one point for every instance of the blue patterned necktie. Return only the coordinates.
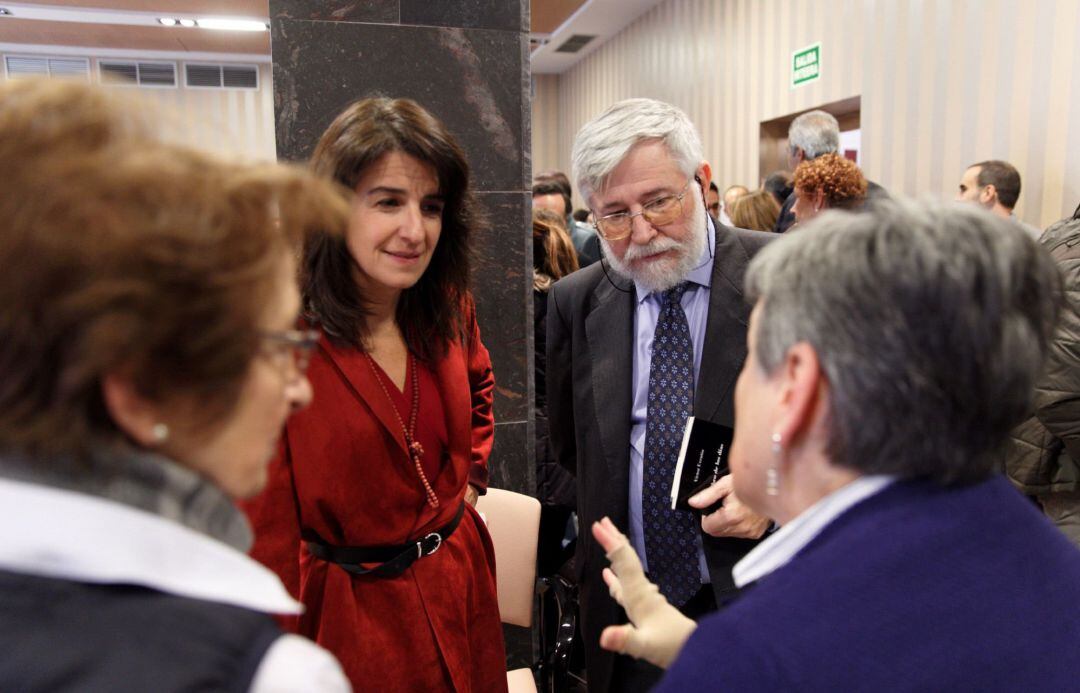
(671, 546)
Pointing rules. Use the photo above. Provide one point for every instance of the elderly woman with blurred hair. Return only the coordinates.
(369, 517)
(827, 182)
(889, 355)
(148, 363)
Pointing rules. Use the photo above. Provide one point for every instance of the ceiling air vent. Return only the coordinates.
(240, 77)
(574, 43)
(70, 68)
(144, 74)
(26, 67)
(205, 76)
(42, 66)
(157, 74)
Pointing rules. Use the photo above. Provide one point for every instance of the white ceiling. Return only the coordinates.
(601, 18)
(92, 27)
(131, 26)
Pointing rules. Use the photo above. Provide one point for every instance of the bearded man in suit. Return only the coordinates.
(653, 333)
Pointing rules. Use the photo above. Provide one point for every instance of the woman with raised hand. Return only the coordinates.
(889, 355)
(148, 360)
(370, 518)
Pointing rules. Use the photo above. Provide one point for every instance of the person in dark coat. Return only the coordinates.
(616, 417)
(1042, 457)
(889, 354)
(553, 259)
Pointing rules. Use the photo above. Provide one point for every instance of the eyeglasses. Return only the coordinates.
(290, 348)
(659, 212)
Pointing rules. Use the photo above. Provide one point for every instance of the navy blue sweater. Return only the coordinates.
(916, 588)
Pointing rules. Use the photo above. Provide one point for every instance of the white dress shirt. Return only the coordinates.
(67, 535)
(779, 548)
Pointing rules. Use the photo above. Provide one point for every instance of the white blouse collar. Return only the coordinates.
(778, 549)
(74, 536)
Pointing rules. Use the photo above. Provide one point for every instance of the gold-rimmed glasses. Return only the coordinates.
(290, 348)
(661, 211)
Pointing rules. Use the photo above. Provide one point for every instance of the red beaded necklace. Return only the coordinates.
(416, 451)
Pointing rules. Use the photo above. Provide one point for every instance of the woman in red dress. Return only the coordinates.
(369, 517)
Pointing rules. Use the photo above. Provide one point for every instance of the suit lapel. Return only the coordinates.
(356, 372)
(725, 347)
(609, 329)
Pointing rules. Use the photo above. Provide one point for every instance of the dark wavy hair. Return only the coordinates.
(430, 312)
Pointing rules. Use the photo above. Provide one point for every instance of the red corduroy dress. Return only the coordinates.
(343, 475)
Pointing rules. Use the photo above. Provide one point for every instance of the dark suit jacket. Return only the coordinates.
(590, 333)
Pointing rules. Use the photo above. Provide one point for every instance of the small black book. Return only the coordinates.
(703, 459)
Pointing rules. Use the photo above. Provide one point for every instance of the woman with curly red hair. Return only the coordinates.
(827, 182)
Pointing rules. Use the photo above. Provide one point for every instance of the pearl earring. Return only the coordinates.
(772, 476)
(160, 432)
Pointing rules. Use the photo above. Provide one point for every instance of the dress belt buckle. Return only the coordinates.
(420, 552)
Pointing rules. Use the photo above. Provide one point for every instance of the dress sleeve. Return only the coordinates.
(275, 519)
(482, 388)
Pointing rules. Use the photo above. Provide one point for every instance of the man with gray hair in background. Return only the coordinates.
(811, 135)
(636, 343)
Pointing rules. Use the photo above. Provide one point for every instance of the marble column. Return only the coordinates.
(467, 62)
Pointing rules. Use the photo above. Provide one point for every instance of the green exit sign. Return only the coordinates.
(806, 65)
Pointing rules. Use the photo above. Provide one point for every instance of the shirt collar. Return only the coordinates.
(777, 550)
(74, 536)
(700, 275)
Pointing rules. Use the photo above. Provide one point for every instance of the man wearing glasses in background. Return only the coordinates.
(636, 343)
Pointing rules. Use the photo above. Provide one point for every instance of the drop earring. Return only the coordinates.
(772, 476)
(160, 432)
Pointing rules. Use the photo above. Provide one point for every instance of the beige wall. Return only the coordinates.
(545, 124)
(944, 83)
(232, 122)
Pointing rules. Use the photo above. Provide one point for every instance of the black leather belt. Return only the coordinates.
(392, 560)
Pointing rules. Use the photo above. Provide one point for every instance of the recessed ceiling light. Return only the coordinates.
(167, 21)
(5, 12)
(232, 24)
(187, 22)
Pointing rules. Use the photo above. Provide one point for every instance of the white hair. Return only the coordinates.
(604, 142)
(814, 132)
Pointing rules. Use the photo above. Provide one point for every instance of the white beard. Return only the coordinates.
(664, 274)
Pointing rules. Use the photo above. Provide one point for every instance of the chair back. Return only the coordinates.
(520, 681)
(513, 520)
